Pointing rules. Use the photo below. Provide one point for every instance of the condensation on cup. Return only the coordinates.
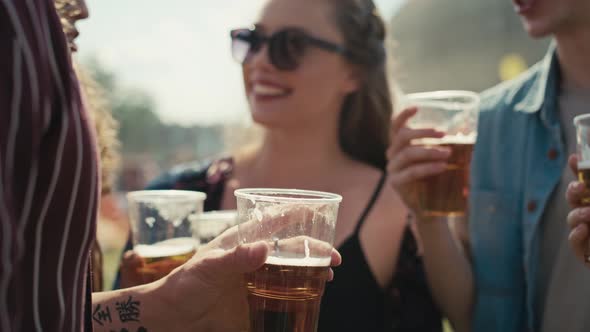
(162, 229)
(210, 225)
(582, 124)
(456, 114)
(284, 295)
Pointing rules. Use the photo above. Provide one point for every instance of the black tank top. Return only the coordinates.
(354, 300)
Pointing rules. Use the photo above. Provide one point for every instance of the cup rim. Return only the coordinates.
(218, 215)
(180, 195)
(269, 195)
(580, 118)
(444, 94)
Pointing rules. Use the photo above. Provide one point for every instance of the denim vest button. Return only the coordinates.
(552, 154)
(491, 209)
(531, 206)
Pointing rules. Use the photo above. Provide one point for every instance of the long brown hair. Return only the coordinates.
(366, 113)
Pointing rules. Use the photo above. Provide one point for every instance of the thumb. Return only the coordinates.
(242, 259)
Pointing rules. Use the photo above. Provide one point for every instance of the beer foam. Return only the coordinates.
(449, 139)
(584, 164)
(173, 247)
(304, 262)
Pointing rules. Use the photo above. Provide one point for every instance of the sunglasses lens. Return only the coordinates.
(286, 49)
(242, 41)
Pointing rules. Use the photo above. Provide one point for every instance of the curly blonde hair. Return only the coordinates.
(105, 125)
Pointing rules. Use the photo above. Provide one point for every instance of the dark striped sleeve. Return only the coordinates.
(17, 127)
(48, 174)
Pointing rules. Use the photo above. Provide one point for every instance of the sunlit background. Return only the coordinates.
(174, 88)
(173, 84)
(176, 51)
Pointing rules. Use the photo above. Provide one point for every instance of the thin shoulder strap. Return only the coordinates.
(372, 202)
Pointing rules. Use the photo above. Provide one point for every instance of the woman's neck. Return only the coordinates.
(573, 47)
(294, 158)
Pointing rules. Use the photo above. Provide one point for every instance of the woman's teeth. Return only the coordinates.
(267, 90)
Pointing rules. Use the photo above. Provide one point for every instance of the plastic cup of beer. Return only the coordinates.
(162, 228)
(285, 294)
(456, 114)
(210, 225)
(582, 124)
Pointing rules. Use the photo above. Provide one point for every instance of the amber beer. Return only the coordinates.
(584, 177)
(284, 295)
(446, 194)
(584, 172)
(161, 258)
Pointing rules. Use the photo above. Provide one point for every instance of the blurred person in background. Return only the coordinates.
(523, 276)
(316, 79)
(49, 190)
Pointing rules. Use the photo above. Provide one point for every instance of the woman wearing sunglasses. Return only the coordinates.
(315, 76)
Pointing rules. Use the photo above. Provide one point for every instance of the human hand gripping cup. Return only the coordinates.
(428, 165)
(298, 226)
(135, 269)
(163, 233)
(578, 193)
(210, 293)
(430, 152)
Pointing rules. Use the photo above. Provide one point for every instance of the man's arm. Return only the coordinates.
(134, 309)
(207, 293)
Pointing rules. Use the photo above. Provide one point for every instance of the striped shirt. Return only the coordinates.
(48, 175)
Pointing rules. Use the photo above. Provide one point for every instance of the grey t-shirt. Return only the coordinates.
(563, 289)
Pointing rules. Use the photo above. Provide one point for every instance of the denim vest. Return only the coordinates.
(518, 161)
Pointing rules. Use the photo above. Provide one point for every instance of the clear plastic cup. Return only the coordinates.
(162, 229)
(456, 114)
(582, 124)
(285, 294)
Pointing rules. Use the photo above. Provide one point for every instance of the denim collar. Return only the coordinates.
(544, 85)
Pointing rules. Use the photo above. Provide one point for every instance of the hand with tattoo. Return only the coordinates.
(207, 293)
(220, 300)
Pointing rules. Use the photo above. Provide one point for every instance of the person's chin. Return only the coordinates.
(266, 117)
(536, 29)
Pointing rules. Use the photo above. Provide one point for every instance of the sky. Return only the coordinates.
(178, 51)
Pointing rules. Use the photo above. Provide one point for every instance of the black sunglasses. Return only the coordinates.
(285, 47)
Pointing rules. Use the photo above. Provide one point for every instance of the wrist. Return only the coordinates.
(161, 309)
(422, 218)
(139, 308)
(156, 313)
(427, 224)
